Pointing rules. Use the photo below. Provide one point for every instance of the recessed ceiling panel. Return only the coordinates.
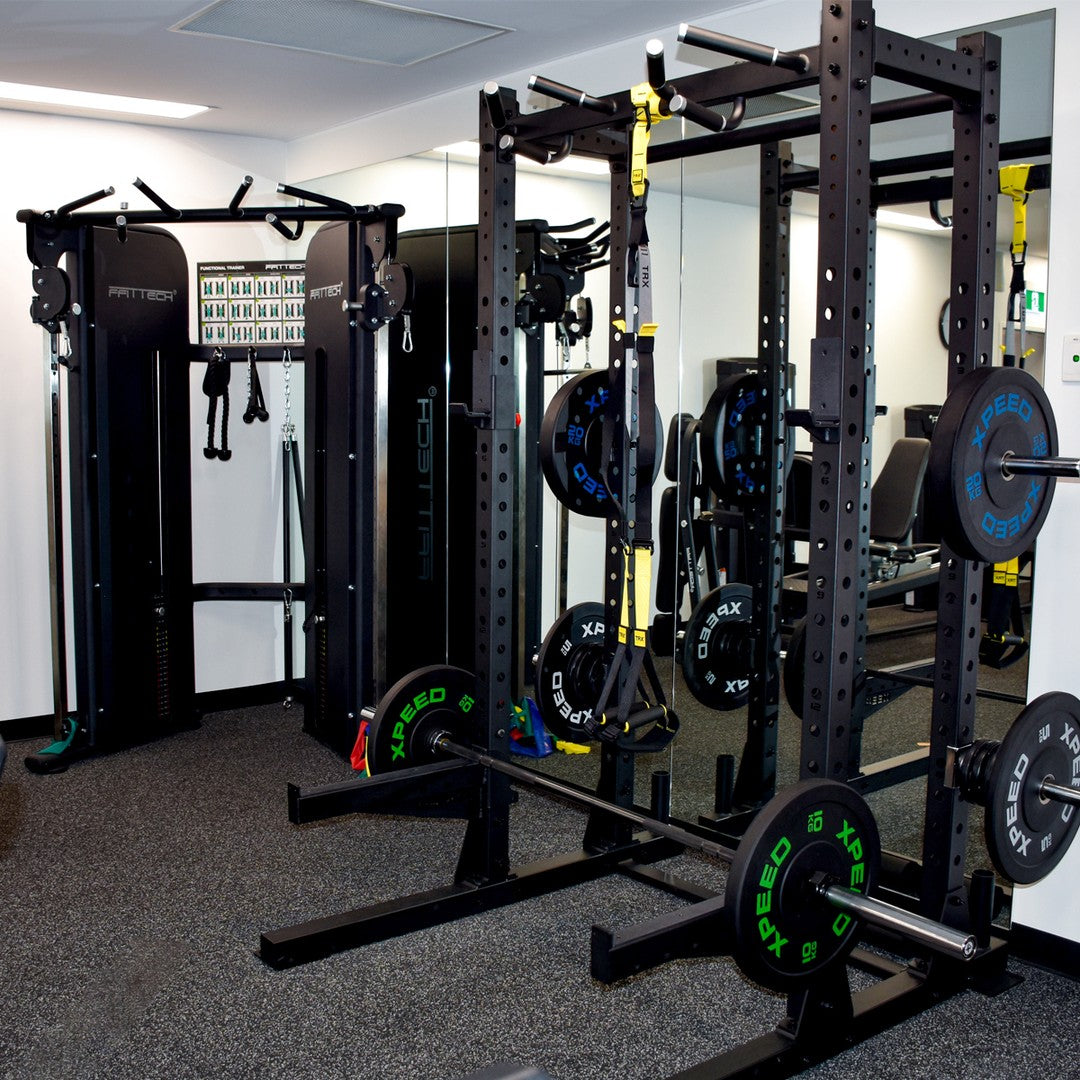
(364, 30)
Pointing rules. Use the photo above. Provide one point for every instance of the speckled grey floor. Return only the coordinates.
(134, 889)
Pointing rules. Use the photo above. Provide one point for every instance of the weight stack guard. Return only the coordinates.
(345, 512)
(128, 459)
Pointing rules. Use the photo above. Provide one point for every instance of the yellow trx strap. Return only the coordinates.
(647, 103)
(637, 581)
(1013, 182)
(1006, 573)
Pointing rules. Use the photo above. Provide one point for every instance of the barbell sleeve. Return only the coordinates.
(1059, 793)
(934, 935)
(1011, 465)
(742, 49)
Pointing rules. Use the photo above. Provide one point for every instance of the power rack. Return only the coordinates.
(825, 1016)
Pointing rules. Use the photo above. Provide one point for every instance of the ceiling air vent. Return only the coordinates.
(364, 30)
(777, 105)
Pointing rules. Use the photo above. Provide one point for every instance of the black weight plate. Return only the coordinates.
(571, 443)
(983, 514)
(1026, 834)
(795, 668)
(716, 648)
(426, 701)
(569, 671)
(737, 438)
(784, 934)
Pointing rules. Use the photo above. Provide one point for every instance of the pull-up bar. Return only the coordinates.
(742, 49)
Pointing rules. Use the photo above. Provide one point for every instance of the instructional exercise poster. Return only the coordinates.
(251, 303)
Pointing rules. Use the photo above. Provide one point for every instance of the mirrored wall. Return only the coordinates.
(704, 223)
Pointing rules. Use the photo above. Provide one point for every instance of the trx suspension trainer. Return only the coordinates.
(618, 716)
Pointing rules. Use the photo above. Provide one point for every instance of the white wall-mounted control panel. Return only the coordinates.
(1070, 358)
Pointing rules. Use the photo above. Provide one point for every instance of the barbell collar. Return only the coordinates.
(928, 932)
(1059, 793)
(1012, 465)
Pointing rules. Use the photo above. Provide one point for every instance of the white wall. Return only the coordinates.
(52, 160)
(1051, 904)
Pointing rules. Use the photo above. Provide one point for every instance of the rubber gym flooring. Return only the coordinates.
(135, 888)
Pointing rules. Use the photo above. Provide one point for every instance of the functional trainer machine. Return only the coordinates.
(111, 290)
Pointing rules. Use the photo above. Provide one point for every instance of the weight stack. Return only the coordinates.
(129, 439)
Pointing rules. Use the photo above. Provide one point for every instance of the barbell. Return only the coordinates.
(797, 883)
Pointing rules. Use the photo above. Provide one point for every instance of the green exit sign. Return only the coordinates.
(1034, 300)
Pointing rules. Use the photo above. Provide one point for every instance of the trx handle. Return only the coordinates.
(650, 714)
